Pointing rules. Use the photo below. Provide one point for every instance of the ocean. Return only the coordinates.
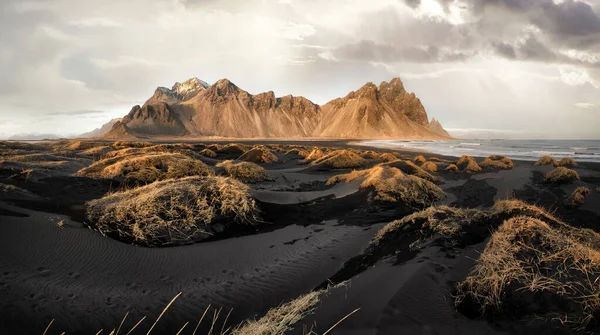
(530, 150)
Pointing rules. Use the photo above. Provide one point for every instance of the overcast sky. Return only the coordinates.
(523, 68)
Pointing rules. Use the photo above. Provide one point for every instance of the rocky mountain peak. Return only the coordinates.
(189, 88)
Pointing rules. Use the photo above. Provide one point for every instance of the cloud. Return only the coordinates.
(585, 105)
(77, 112)
(96, 22)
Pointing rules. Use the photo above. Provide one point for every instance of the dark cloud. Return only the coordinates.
(505, 50)
(380, 52)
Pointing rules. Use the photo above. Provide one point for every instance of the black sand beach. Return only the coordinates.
(53, 266)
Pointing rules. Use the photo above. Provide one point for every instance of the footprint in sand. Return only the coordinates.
(43, 271)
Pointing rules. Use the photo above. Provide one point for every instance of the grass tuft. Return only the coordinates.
(208, 153)
(410, 168)
(429, 167)
(247, 172)
(546, 160)
(577, 198)
(341, 159)
(259, 154)
(570, 162)
(452, 168)
(419, 160)
(561, 175)
(468, 164)
(497, 162)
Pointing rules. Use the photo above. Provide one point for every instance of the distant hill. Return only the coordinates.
(98, 132)
(195, 109)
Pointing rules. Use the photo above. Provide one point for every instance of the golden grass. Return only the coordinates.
(497, 162)
(259, 154)
(468, 164)
(528, 259)
(429, 167)
(208, 153)
(567, 162)
(410, 168)
(127, 144)
(341, 159)
(577, 198)
(369, 154)
(392, 185)
(435, 159)
(175, 211)
(234, 149)
(245, 171)
(388, 157)
(452, 168)
(315, 154)
(546, 160)
(513, 207)
(147, 168)
(449, 222)
(419, 160)
(561, 175)
(97, 152)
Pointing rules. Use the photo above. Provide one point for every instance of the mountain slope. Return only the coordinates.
(195, 109)
(100, 131)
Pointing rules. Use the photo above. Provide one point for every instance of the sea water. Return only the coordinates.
(531, 150)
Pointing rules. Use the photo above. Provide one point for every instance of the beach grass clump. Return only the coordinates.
(452, 168)
(561, 175)
(447, 222)
(567, 162)
(468, 164)
(174, 211)
(259, 154)
(98, 152)
(341, 159)
(146, 169)
(234, 149)
(208, 153)
(392, 185)
(388, 157)
(497, 162)
(435, 159)
(369, 154)
(529, 260)
(315, 153)
(577, 198)
(546, 160)
(131, 144)
(429, 167)
(419, 160)
(410, 168)
(247, 172)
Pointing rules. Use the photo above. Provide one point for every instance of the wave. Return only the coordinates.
(469, 143)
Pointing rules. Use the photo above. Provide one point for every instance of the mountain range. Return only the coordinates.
(194, 108)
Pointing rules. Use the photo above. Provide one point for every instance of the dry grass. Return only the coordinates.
(392, 185)
(341, 159)
(567, 162)
(577, 198)
(147, 168)
(175, 211)
(452, 168)
(468, 164)
(429, 167)
(435, 159)
(127, 144)
(97, 152)
(561, 175)
(497, 162)
(259, 154)
(419, 160)
(505, 209)
(208, 153)
(369, 154)
(388, 157)
(410, 168)
(598, 189)
(529, 260)
(546, 160)
(315, 154)
(234, 149)
(245, 171)
(446, 221)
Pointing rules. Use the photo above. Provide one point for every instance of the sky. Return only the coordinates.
(515, 68)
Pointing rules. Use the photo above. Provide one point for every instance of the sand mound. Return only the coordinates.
(561, 175)
(448, 222)
(83, 145)
(429, 167)
(410, 168)
(341, 159)
(130, 144)
(315, 154)
(497, 162)
(392, 185)
(245, 171)
(468, 164)
(259, 154)
(369, 154)
(388, 157)
(577, 198)
(570, 162)
(533, 270)
(546, 160)
(435, 159)
(147, 168)
(234, 149)
(419, 160)
(208, 153)
(452, 168)
(97, 152)
(173, 212)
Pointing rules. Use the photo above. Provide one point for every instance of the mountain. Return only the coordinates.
(195, 109)
(34, 137)
(100, 131)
